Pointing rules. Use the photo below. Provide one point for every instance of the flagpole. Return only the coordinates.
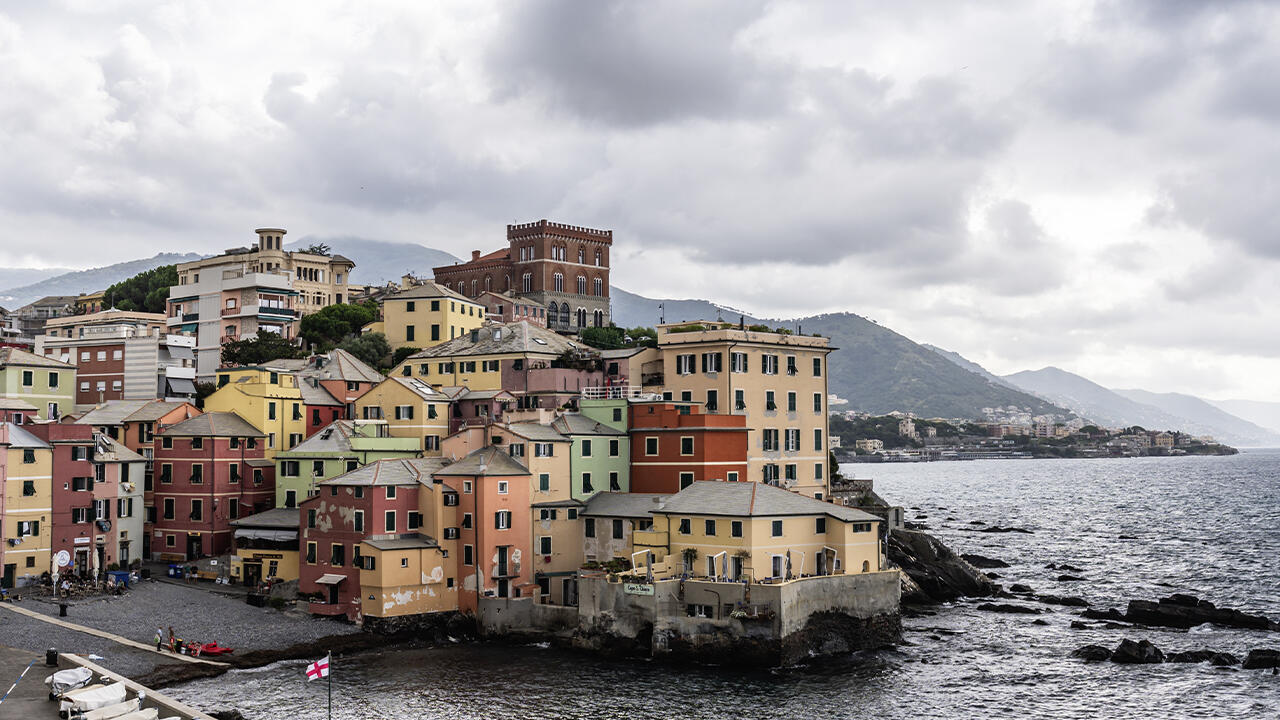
(329, 676)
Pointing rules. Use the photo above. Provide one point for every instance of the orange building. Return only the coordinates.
(674, 445)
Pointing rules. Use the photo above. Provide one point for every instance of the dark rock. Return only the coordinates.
(1108, 614)
(1009, 608)
(1039, 621)
(914, 525)
(1185, 611)
(1136, 653)
(1070, 578)
(935, 571)
(950, 519)
(1262, 658)
(1092, 653)
(1190, 656)
(226, 715)
(984, 562)
(993, 576)
(976, 522)
(1068, 600)
(1116, 626)
(1224, 660)
(998, 529)
(1128, 537)
(1019, 588)
(1078, 625)
(922, 517)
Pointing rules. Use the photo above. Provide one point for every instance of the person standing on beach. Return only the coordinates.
(171, 648)
(159, 638)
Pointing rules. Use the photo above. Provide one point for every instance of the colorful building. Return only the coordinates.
(210, 470)
(269, 398)
(775, 380)
(674, 445)
(600, 455)
(379, 500)
(339, 448)
(266, 546)
(503, 307)
(119, 480)
(344, 376)
(411, 409)
(755, 531)
(46, 383)
(539, 367)
(81, 511)
(16, 411)
(426, 314)
(609, 521)
(26, 519)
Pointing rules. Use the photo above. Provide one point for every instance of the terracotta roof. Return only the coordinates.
(19, 357)
(495, 256)
(213, 424)
(753, 499)
(485, 461)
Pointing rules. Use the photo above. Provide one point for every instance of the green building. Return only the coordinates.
(337, 448)
(48, 384)
(600, 450)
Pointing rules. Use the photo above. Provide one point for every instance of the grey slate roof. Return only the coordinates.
(430, 289)
(397, 471)
(154, 410)
(402, 542)
(420, 388)
(627, 505)
(15, 404)
(485, 461)
(315, 394)
(754, 499)
(20, 357)
(579, 424)
(276, 518)
(515, 337)
(108, 450)
(537, 432)
(112, 412)
(337, 364)
(20, 438)
(213, 424)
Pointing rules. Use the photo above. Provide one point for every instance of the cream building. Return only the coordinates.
(776, 380)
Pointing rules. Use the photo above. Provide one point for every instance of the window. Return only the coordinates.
(790, 471)
(166, 472)
(502, 520)
(297, 411)
(769, 364)
(791, 365)
(586, 448)
(817, 402)
(53, 380)
(582, 285)
(686, 479)
(709, 527)
(735, 528)
(792, 440)
(409, 306)
(544, 545)
(589, 527)
(290, 498)
(712, 362)
(466, 486)
(28, 488)
(651, 446)
(466, 520)
(166, 443)
(739, 399)
(586, 483)
(769, 403)
(197, 510)
(686, 445)
(28, 528)
(101, 355)
(431, 443)
(311, 518)
(409, 331)
(777, 528)
(468, 554)
(817, 440)
(311, 553)
(817, 472)
(197, 474)
(28, 456)
(28, 378)
(84, 356)
(685, 364)
(391, 492)
(389, 521)
(543, 450)
(558, 282)
(614, 485)
(234, 469)
(503, 487)
(404, 412)
(337, 554)
(81, 515)
(289, 468)
(817, 367)
(544, 482)
(358, 520)
(820, 526)
(614, 448)
(233, 508)
(713, 400)
(84, 386)
(791, 402)
(197, 443)
(516, 449)
(731, 476)
(769, 439)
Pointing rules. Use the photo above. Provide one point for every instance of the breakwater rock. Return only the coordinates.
(934, 573)
(1186, 611)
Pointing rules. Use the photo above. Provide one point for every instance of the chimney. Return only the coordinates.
(475, 255)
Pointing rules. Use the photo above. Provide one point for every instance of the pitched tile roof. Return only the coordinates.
(315, 394)
(108, 450)
(430, 290)
(753, 499)
(287, 518)
(513, 337)
(485, 461)
(154, 410)
(16, 404)
(537, 432)
(112, 412)
(579, 424)
(21, 438)
(213, 424)
(337, 364)
(620, 504)
(22, 358)
(396, 471)
(402, 542)
(420, 388)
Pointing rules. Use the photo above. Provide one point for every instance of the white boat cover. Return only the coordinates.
(148, 714)
(86, 699)
(67, 680)
(112, 711)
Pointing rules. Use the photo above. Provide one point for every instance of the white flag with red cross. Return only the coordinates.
(318, 669)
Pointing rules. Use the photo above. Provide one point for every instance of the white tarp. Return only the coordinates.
(67, 680)
(261, 534)
(92, 699)
(148, 714)
(111, 711)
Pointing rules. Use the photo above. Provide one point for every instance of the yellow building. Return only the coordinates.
(28, 505)
(266, 546)
(739, 531)
(777, 380)
(268, 398)
(425, 315)
(411, 409)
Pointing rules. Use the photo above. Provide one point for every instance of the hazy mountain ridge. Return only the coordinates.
(1203, 414)
(1265, 414)
(91, 280)
(378, 261)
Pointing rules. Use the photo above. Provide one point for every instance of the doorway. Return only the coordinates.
(9, 572)
(333, 594)
(193, 546)
(252, 573)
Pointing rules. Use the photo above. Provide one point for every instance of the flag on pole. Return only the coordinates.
(318, 669)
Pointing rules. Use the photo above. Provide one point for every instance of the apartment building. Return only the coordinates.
(411, 409)
(426, 314)
(674, 445)
(269, 398)
(44, 382)
(26, 467)
(121, 355)
(775, 380)
(338, 448)
(244, 290)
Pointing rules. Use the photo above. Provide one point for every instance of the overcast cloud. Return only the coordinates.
(1086, 184)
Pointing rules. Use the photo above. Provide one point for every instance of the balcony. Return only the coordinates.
(267, 310)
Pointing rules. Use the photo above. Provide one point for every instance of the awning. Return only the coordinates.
(181, 352)
(260, 534)
(180, 386)
(331, 579)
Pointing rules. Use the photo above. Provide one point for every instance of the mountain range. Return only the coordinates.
(875, 369)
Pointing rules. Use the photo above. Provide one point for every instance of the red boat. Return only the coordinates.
(212, 648)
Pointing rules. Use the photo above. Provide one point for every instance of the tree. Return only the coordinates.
(372, 348)
(264, 347)
(148, 291)
(204, 390)
(318, 249)
(334, 323)
(613, 337)
(401, 353)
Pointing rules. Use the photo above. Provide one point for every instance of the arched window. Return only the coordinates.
(582, 317)
(526, 282)
(488, 281)
(598, 287)
(507, 284)
(582, 285)
(473, 288)
(597, 258)
(564, 314)
(599, 318)
(552, 310)
(558, 282)
(582, 256)
(462, 287)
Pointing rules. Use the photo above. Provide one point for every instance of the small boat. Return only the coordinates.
(110, 711)
(148, 714)
(213, 648)
(65, 681)
(91, 698)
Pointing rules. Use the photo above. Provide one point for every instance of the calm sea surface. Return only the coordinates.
(1207, 526)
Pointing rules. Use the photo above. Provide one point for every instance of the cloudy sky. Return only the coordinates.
(1085, 184)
